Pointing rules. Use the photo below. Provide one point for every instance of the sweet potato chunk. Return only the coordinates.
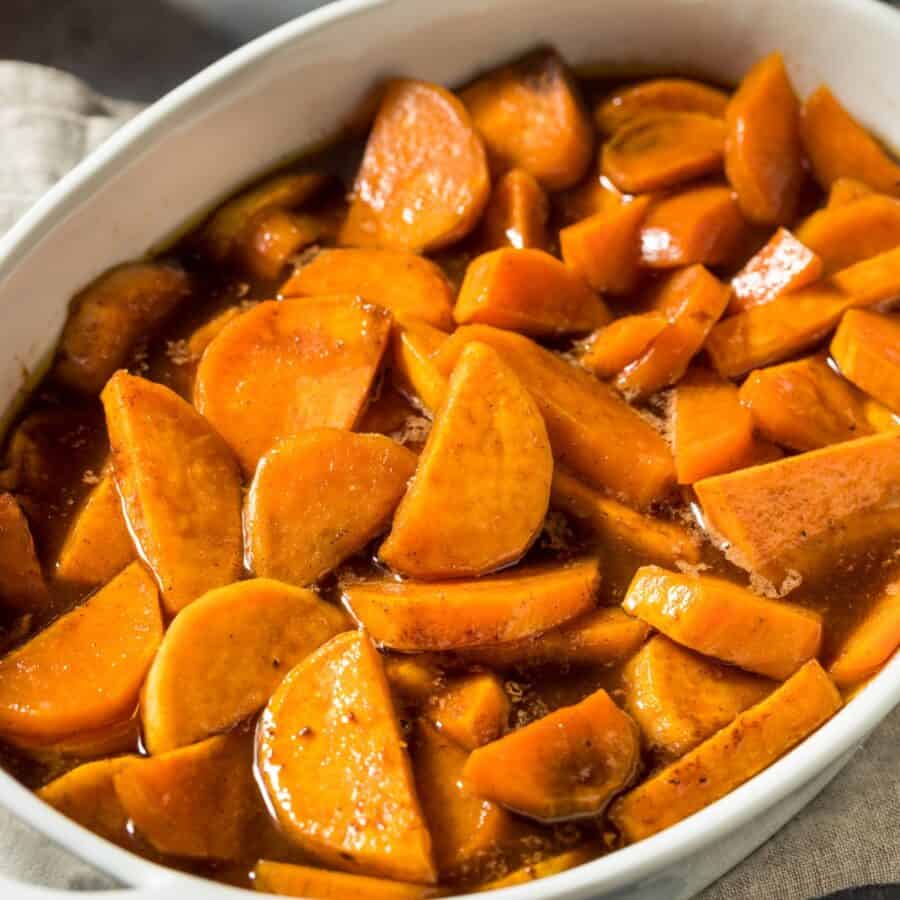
(527, 291)
(180, 488)
(406, 615)
(658, 95)
(22, 584)
(720, 619)
(318, 498)
(471, 710)
(488, 450)
(837, 146)
(516, 214)
(318, 356)
(569, 763)
(763, 152)
(413, 679)
(679, 698)
(225, 654)
(847, 190)
(414, 344)
(203, 336)
(271, 239)
(621, 342)
(530, 117)
(122, 736)
(553, 865)
(334, 764)
(867, 348)
(406, 284)
(423, 182)
(590, 429)
(85, 670)
(659, 150)
(312, 883)
(871, 281)
(753, 741)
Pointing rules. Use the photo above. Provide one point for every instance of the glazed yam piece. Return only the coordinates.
(866, 346)
(180, 488)
(414, 344)
(289, 880)
(449, 615)
(753, 741)
(658, 95)
(614, 346)
(22, 586)
(847, 190)
(318, 356)
(333, 762)
(871, 281)
(318, 498)
(223, 656)
(423, 182)
(517, 213)
(123, 736)
(488, 450)
(567, 764)
(471, 710)
(413, 679)
(272, 238)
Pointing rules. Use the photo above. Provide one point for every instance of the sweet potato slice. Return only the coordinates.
(660, 150)
(85, 670)
(320, 356)
(605, 248)
(423, 182)
(837, 146)
(108, 318)
(801, 512)
(180, 488)
(866, 346)
(624, 340)
(753, 741)
(488, 450)
(658, 95)
(333, 762)
(763, 151)
(449, 615)
(553, 865)
(271, 239)
(414, 344)
(413, 679)
(871, 281)
(730, 623)
(847, 190)
(591, 430)
(530, 117)
(569, 763)
(406, 284)
(471, 710)
(679, 698)
(311, 883)
(318, 498)
(528, 291)
(516, 214)
(225, 654)
(203, 336)
(22, 585)
(123, 736)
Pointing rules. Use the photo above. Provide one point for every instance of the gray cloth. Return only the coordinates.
(849, 836)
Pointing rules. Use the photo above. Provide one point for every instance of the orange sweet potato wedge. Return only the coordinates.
(569, 763)
(123, 736)
(679, 698)
(22, 586)
(203, 336)
(85, 670)
(730, 623)
(530, 117)
(332, 712)
(517, 213)
(313, 883)
(488, 450)
(321, 354)
(663, 149)
(414, 343)
(319, 497)
(271, 239)
(423, 182)
(450, 615)
(225, 654)
(658, 95)
(528, 291)
(866, 346)
(837, 146)
(471, 710)
(613, 347)
(108, 318)
(753, 741)
(413, 679)
(406, 284)
(180, 488)
(763, 151)
(591, 430)
(871, 281)
(847, 190)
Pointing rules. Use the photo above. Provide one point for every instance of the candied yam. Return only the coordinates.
(269, 242)
(804, 511)
(110, 316)
(531, 117)
(85, 670)
(679, 698)
(319, 497)
(333, 762)
(413, 679)
(203, 336)
(224, 655)
(591, 429)
(290, 880)
(837, 146)
(406, 284)
(753, 741)
(730, 623)
(866, 346)
(871, 281)
(119, 737)
(319, 356)
(846, 190)
(528, 291)
(488, 450)
(660, 150)
(658, 95)
(423, 181)
(763, 152)
(22, 585)
(448, 615)
(569, 763)
(516, 214)
(471, 710)
(624, 340)
(604, 249)
(414, 344)
(553, 865)
(180, 488)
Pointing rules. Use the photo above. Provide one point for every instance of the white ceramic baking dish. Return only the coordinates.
(289, 90)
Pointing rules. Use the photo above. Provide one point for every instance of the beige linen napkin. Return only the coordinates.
(849, 836)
